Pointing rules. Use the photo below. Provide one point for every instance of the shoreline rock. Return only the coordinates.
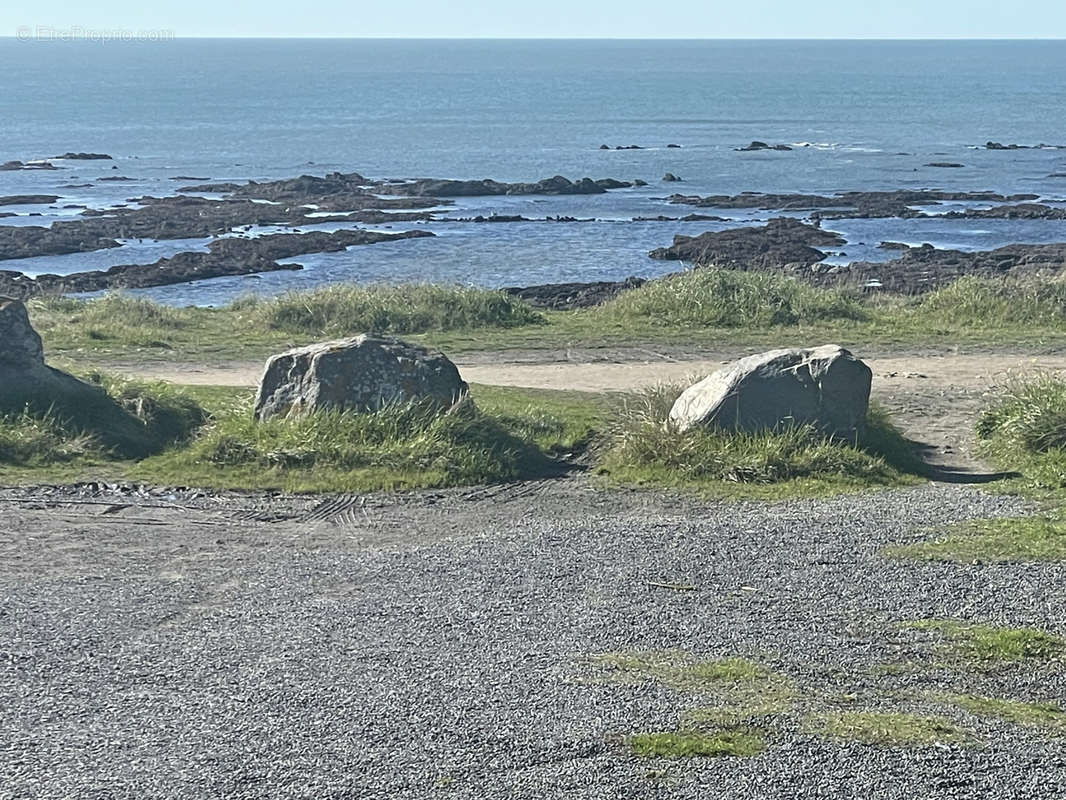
(570, 296)
(782, 242)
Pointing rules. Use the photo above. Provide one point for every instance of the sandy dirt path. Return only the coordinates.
(935, 398)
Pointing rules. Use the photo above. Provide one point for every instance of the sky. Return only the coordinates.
(639, 19)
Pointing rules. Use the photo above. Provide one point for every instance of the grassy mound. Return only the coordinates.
(343, 310)
(1024, 429)
(725, 298)
(117, 317)
(125, 419)
(642, 448)
(997, 303)
(399, 447)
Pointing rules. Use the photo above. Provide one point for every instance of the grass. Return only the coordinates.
(689, 744)
(888, 729)
(1039, 538)
(122, 419)
(346, 310)
(641, 448)
(703, 307)
(1024, 429)
(1048, 716)
(990, 645)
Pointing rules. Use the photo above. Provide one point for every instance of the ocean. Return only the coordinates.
(859, 115)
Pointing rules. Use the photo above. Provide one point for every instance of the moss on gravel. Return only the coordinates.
(990, 645)
(888, 728)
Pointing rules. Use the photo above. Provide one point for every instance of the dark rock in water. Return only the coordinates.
(686, 218)
(893, 246)
(362, 374)
(757, 145)
(673, 147)
(848, 205)
(605, 147)
(27, 384)
(225, 257)
(27, 199)
(76, 186)
(920, 269)
(611, 183)
(114, 178)
(1041, 146)
(670, 177)
(83, 157)
(1057, 175)
(219, 188)
(945, 164)
(628, 147)
(494, 218)
(568, 296)
(189, 178)
(639, 182)
(557, 185)
(15, 165)
(304, 187)
(4, 214)
(782, 242)
(1017, 211)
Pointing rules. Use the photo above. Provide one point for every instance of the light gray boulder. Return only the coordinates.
(360, 374)
(826, 387)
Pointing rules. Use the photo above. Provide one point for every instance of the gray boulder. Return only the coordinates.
(826, 387)
(28, 384)
(361, 374)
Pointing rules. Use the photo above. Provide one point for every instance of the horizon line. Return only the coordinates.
(322, 37)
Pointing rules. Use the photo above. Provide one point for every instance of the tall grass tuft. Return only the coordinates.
(341, 310)
(725, 298)
(1025, 429)
(641, 447)
(997, 302)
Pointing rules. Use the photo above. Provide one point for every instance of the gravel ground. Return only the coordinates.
(435, 645)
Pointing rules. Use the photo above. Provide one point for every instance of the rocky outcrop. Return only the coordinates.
(1001, 146)
(670, 177)
(28, 384)
(847, 205)
(568, 296)
(83, 157)
(27, 199)
(1014, 211)
(825, 387)
(363, 374)
(16, 165)
(920, 269)
(781, 243)
(945, 164)
(228, 256)
(757, 145)
(557, 185)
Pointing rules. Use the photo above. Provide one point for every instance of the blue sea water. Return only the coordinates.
(872, 114)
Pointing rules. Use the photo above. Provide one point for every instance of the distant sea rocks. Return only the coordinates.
(945, 164)
(83, 157)
(782, 242)
(40, 164)
(1001, 146)
(757, 145)
(556, 185)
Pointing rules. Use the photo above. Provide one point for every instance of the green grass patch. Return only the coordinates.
(992, 645)
(996, 303)
(346, 310)
(693, 744)
(1041, 538)
(888, 729)
(641, 448)
(121, 419)
(725, 298)
(1048, 716)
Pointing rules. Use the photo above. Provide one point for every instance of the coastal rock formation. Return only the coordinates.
(28, 384)
(568, 296)
(825, 387)
(225, 257)
(670, 177)
(920, 269)
(1015, 211)
(757, 145)
(16, 165)
(782, 242)
(1001, 146)
(362, 374)
(83, 157)
(27, 199)
(945, 164)
(557, 185)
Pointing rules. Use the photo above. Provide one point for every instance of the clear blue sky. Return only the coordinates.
(554, 18)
